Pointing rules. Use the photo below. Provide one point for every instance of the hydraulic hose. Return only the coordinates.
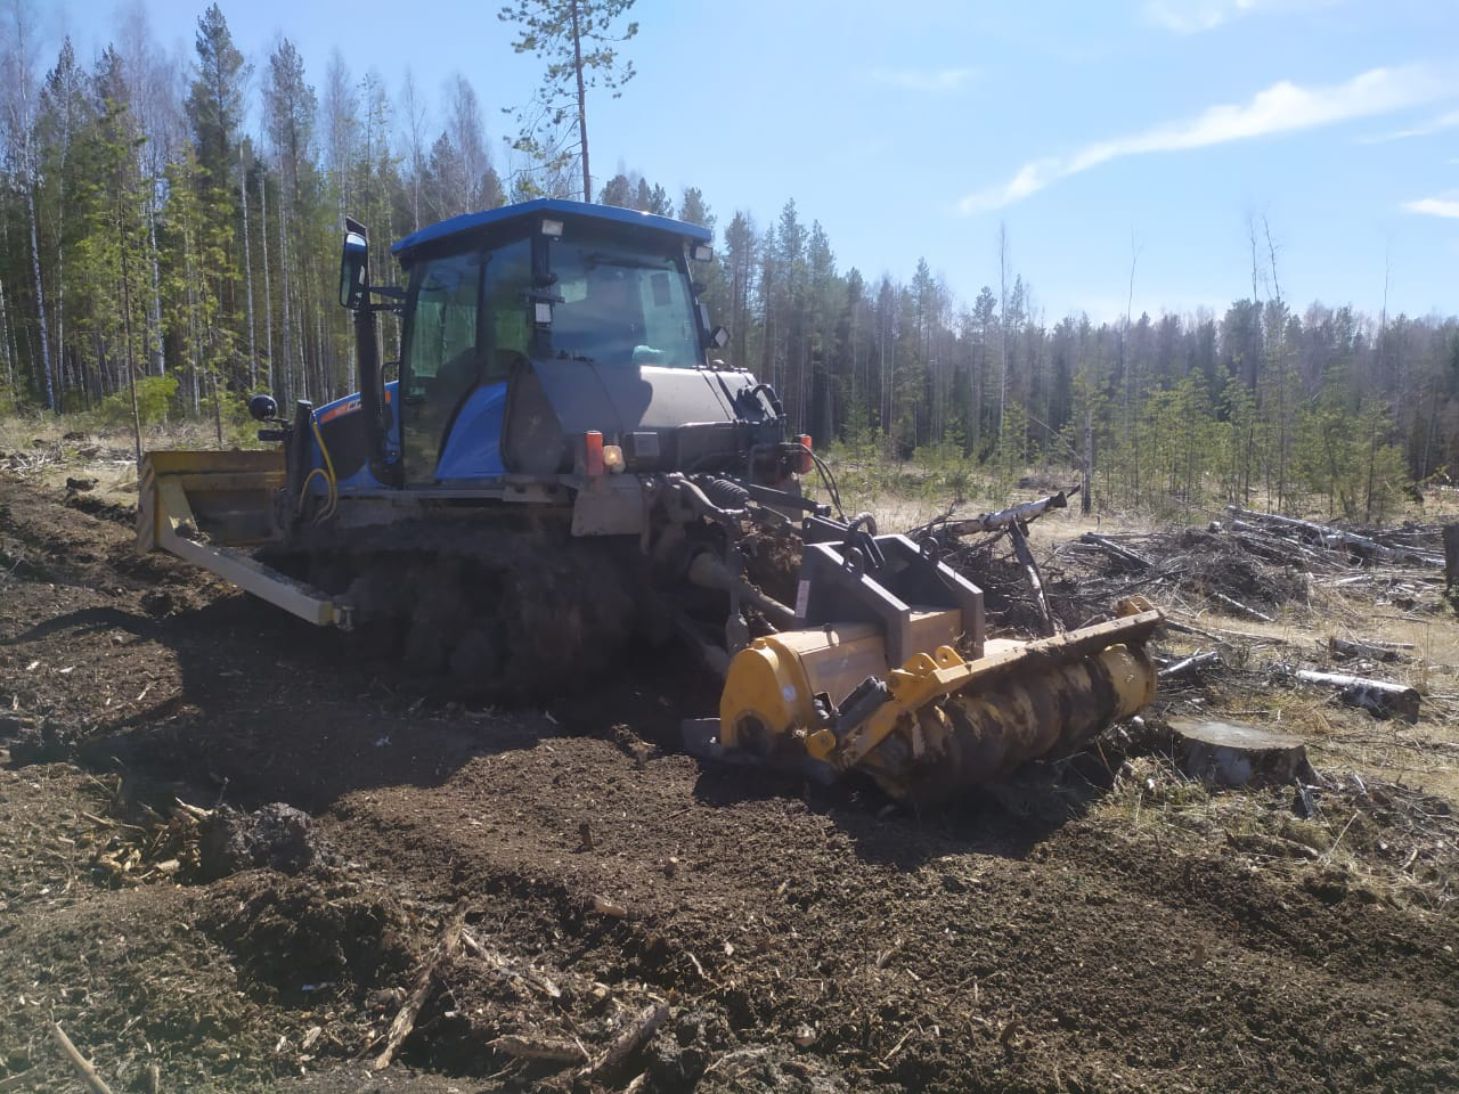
(326, 472)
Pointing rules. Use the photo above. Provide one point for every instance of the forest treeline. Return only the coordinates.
(178, 225)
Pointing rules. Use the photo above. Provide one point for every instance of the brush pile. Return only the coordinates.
(1256, 568)
(1249, 566)
(1254, 564)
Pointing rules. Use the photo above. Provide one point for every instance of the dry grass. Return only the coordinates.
(48, 451)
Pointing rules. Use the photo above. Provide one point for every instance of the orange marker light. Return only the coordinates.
(806, 462)
(593, 453)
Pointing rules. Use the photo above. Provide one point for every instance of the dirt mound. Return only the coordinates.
(277, 836)
(294, 937)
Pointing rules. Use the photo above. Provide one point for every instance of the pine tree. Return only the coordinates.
(578, 40)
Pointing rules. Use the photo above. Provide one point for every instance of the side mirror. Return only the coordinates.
(719, 337)
(263, 408)
(353, 275)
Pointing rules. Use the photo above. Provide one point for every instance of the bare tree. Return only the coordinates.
(341, 105)
(1279, 363)
(155, 97)
(247, 265)
(268, 298)
(468, 136)
(1127, 364)
(1002, 324)
(414, 113)
(17, 68)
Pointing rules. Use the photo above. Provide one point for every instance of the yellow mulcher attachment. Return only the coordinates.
(206, 507)
(925, 719)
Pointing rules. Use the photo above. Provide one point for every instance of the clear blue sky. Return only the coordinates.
(913, 129)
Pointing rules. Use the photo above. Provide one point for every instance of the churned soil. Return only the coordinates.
(547, 877)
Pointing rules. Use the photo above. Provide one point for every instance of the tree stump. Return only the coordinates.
(1451, 555)
(1227, 754)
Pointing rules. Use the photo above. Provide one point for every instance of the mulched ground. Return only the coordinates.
(1063, 933)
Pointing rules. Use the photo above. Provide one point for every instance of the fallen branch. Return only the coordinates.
(504, 967)
(1342, 647)
(1186, 628)
(634, 1033)
(1035, 581)
(89, 1074)
(1215, 634)
(1191, 666)
(1114, 550)
(1003, 518)
(1242, 608)
(404, 1022)
(530, 1048)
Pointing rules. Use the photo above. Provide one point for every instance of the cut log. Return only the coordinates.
(1228, 754)
(1115, 551)
(1382, 698)
(1344, 648)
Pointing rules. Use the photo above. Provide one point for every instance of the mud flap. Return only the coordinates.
(612, 505)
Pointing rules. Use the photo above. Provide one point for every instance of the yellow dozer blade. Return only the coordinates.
(939, 722)
(206, 506)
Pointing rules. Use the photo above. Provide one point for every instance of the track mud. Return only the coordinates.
(1085, 927)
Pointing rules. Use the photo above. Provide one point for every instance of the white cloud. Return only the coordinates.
(1423, 129)
(1434, 207)
(1284, 107)
(1196, 16)
(935, 80)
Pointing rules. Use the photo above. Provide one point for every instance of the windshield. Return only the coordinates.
(622, 304)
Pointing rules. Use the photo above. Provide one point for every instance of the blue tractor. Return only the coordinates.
(563, 470)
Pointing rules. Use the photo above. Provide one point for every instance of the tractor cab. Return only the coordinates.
(528, 329)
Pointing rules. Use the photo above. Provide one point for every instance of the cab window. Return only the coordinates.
(443, 324)
(622, 304)
(507, 331)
